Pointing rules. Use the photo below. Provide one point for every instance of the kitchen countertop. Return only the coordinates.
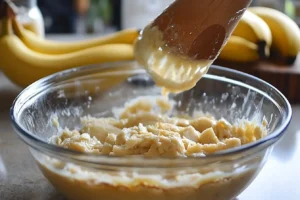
(20, 178)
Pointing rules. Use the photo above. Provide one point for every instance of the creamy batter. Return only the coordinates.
(78, 183)
(145, 128)
(174, 73)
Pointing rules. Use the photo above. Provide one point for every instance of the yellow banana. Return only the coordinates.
(285, 32)
(254, 29)
(41, 45)
(24, 66)
(239, 49)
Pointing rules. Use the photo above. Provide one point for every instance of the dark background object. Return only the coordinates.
(285, 78)
(60, 15)
(116, 18)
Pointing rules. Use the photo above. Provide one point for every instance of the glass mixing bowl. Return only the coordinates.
(66, 96)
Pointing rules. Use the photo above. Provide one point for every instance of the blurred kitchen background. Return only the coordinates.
(103, 16)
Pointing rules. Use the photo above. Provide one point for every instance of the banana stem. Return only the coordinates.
(17, 27)
(6, 28)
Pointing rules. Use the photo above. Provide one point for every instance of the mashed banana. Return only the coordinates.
(140, 130)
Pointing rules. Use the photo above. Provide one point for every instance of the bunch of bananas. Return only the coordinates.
(26, 58)
(260, 33)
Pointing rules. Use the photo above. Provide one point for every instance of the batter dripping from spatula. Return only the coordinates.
(178, 47)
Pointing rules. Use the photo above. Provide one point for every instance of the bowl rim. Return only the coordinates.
(36, 143)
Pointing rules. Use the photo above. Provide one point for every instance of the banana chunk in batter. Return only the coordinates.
(140, 131)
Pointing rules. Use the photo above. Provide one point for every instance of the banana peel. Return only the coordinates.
(240, 50)
(41, 45)
(23, 66)
(285, 31)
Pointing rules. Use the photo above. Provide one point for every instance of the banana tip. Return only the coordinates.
(263, 50)
(290, 60)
